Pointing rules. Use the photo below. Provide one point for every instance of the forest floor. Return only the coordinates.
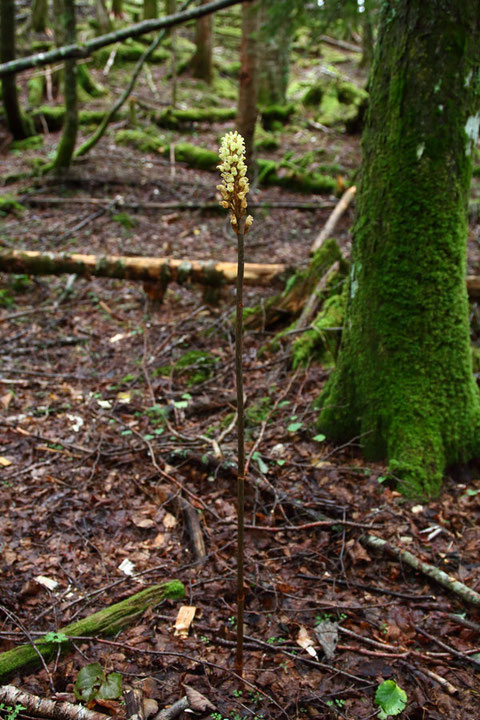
(114, 410)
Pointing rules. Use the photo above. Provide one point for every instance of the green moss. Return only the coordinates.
(146, 141)
(322, 340)
(275, 115)
(128, 52)
(36, 89)
(174, 118)
(195, 156)
(88, 83)
(196, 366)
(31, 143)
(265, 140)
(54, 117)
(225, 88)
(9, 204)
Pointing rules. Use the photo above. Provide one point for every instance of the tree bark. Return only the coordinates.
(150, 9)
(105, 622)
(367, 35)
(202, 67)
(11, 105)
(103, 18)
(274, 59)
(117, 8)
(248, 90)
(67, 142)
(39, 15)
(404, 381)
(86, 49)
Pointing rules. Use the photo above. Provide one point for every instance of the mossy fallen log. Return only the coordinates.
(54, 117)
(174, 118)
(160, 271)
(105, 622)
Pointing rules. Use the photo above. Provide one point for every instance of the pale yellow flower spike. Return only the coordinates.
(235, 182)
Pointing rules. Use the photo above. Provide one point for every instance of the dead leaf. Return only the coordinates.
(4, 462)
(305, 641)
(197, 701)
(357, 552)
(169, 521)
(327, 635)
(184, 620)
(143, 522)
(158, 540)
(6, 399)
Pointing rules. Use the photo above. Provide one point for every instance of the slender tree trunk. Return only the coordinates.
(274, 60)
(404, 381)
(248, 90)
(39, 15)
(15, 122)
(367, 35)
(150, 9)
(66, 146)
(103, 18)
(202, 67)
(117, 8)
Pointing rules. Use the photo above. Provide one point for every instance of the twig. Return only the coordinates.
(332, 221)
(448, 648)
(448, 581)
(174, 710)
(307, 526)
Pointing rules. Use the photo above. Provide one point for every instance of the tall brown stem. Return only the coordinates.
(240, 447)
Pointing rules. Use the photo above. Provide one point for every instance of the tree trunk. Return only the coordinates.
(117, 8)
(150, 9)
(202, 60)
(103, 18)
(248, 90)
(66, 146)
(11, 106)
(274, 60)
(403, 381)
(39, 15)
(367, 35)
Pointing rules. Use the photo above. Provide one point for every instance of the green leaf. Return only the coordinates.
(281, 462)
(111, 688)
(293, 427)
(381, 479)
(319, 438)
(261, 465)
(390, 698)
(89, 680)
(56, 637)
(472, 492)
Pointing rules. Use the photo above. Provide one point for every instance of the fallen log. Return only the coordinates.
(148, 269)
(108, 621)
(11, 696)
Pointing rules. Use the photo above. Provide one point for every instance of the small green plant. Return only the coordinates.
(237, 693)
(339, 702)
(9, 712)
(92, 683)
(6, 298)
(56, 637)
(390, 698)
(295, 425)
(125, 220)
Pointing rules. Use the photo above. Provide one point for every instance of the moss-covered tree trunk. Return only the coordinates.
(39, 15)
(103, 18)
(66, 146)
(248, 89)
(15, 122)
(404, 379)
(150, 9)
(273, 58)
(202, 67)
(117, 8)
(367, 34)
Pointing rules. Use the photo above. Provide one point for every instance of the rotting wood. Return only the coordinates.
(108, 621)
(332, 221)
(163, 270)
(47, 708)
(448, 581)
(194, 530)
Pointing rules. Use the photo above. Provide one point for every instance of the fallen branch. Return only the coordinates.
(83, 50)
(179, 205)
(449, 582)
(162, 270)
(332, 221)
(105, 622)
(10, 695)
